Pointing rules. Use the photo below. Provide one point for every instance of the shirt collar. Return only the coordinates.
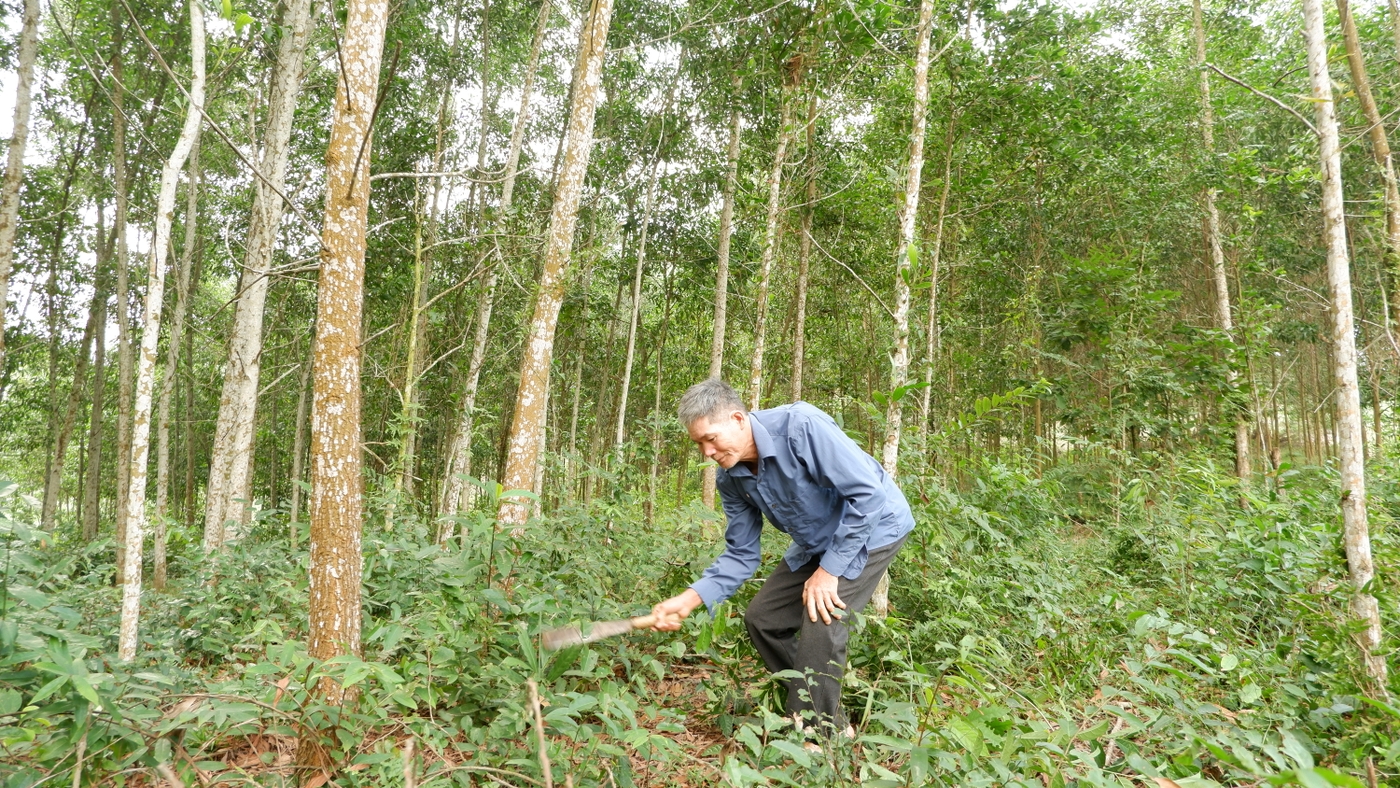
(762, 440)
(763, 443)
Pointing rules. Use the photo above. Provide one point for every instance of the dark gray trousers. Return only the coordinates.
(787, 639)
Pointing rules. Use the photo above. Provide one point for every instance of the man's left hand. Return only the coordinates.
(820, 597)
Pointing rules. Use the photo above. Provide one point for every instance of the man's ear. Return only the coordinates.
(740, 417)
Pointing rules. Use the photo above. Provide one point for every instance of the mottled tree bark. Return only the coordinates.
(337, 487)
(770, 233)
(92, 481)
(14, 162)
(1380, 150)
(1217, 253)
(150, 336)
(908, 222)
(804, 252)
(523, 448)
(726, 232)
(125, 362)
(1350, 438)
(230, 460)
(456, 493)
(173, 343)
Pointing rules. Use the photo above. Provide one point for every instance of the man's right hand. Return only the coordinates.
(670, 612)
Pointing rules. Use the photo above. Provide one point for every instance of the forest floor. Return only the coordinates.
(1164, 632)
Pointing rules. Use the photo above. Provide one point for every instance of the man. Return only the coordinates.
(846, 517)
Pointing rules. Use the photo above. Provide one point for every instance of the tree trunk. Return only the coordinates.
(517, 132)
(92, 482)
(804, 251)
(299, 446)
(770, 233)
(230, 460)
(1395, 25)
(61, 419)
(726, 231)
(96, 312)
(14, 162)
(528, 421)
(485, 113)
(150, 336)
(656, 407)
(125, 362)
(456, 493)
(908, 222)
(1380, 148)
(172, 367)
(935, 269)
(1353, 494)
(1217, 253)
(337, 487)
(625, 388)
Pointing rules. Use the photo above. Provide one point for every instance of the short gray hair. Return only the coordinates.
(709, 399)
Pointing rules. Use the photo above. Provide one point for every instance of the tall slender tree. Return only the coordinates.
(726, 233)
(14, 160)
(173, 343)
(1350, 433)
(150, 336)
(792, 76)
(1217, 249)
(804, 250)
(231, 459)
(903, 257)
(522, 453)
(1380, 150)
(459, 456)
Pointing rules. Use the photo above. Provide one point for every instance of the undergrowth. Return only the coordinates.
(1070, 627)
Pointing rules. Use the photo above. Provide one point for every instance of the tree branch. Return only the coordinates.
(1256, 91)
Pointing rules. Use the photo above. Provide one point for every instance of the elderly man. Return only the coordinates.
(846, 517)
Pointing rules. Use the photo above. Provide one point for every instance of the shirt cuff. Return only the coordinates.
(710, 593)
(837, 565)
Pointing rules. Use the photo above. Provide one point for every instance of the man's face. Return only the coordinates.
(725, 439)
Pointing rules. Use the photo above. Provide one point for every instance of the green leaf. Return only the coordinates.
(48, 689)
(793, 751)
(749, 739)
(80, 683)
(1336, 778)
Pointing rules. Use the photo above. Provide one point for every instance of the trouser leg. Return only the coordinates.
(774, 617)
(788, 640)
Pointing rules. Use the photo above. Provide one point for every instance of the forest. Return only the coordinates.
(341, 343)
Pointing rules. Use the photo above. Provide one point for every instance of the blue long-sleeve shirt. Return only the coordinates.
(814, 484)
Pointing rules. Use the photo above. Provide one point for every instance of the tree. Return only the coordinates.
(172, 367)
(726, 233)
(523, 444)
(14, 161)
(903, 257)
(1217, 251)
(1350, 435)
(231, 459)
(904, 254)
(150, 336)
(459, 456)
(792, 75)
(337, 487)
(1380, 149)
